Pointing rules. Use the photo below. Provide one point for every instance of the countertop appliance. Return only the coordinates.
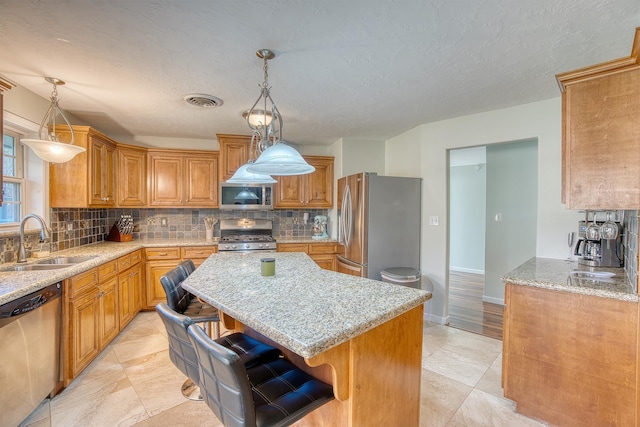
(246, 196)
(379, 223)
(599, 252)
(246, 235)
(30, 352)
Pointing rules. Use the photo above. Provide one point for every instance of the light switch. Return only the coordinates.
(498, 217)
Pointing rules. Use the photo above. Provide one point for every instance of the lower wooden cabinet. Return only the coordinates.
(129, 287)
(92, 317)
(161, 260)
(323, 253)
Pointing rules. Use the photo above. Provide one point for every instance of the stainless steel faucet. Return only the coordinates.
(44, 235)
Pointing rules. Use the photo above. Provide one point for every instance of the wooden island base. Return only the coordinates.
(375, 376)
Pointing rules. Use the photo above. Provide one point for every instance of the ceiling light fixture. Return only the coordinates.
(48, 147)
(265, 122)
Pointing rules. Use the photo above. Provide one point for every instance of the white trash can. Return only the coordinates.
(404, 276)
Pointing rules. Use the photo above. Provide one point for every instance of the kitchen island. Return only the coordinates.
(362, 336)
(570, 344)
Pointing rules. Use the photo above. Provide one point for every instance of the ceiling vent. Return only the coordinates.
(203, 100)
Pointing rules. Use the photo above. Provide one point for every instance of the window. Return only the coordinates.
(13, 181)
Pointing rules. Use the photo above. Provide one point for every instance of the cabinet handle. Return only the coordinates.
(162, 253)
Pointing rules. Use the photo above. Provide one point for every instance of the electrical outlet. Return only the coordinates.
(69, 226)
(434, 220)
(164, 222)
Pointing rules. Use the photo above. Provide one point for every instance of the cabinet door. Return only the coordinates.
(84, 343)
(234, 152)
(125, 299)
(202, 181)
(319, 184)
(289, 191)
(135, 288)
(327, 262)
(132, 182)
(166, 178)
(154, 291)
(101, 172)
(109, 316)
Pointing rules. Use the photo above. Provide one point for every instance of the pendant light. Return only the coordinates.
(243, 176)
(48, 147)
(265, 122)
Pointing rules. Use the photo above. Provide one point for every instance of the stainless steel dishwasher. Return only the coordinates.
(29, 352)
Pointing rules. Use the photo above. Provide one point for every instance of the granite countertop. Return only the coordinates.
(303, 307)
(556, 274)
(14, 284)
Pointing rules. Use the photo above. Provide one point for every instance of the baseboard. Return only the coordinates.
(435, 319)
(499, 301)
(467, 270)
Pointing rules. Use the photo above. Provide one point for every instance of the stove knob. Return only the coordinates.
(261, 246)
(247, 246)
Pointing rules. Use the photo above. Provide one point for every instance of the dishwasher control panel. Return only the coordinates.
(30, 302)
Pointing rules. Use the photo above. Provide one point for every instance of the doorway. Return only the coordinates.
(492, 228)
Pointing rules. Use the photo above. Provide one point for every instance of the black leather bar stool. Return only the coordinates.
(274, 393)
(181, 352)
(183, 302)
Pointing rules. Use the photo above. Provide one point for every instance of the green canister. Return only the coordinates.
(268, 266)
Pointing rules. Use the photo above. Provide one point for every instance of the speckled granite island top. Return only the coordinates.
(14, 284)
(303, 307)
(556, 274)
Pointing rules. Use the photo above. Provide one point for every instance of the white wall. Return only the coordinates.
(422, 152)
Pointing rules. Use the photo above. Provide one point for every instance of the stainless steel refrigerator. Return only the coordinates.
(379, 223)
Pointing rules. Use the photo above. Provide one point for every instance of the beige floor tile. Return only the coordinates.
(440, 398)
(462, 368)
(481, 409)
(150, 366)
(104, 371)
(40, 417)
(161, 393)
(187, 414)
(140, 346)
(491, 381)
(121, 407)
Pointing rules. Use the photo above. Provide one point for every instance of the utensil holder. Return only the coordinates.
(208, 233)
(116, 236)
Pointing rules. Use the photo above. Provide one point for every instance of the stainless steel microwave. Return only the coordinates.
(246, 196)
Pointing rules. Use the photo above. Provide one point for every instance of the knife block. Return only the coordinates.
(116, 236)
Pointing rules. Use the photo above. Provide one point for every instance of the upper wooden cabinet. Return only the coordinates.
(234, 152)
(189, 179)
(132, 173)
(314, 190)
(601, 135)
(87, 180)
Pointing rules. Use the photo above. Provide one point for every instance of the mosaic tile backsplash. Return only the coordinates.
(76, 227)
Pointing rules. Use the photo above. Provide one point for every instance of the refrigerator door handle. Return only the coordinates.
(341, 224)
(347, 206)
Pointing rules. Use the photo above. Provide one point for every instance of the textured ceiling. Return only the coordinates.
(357, 68)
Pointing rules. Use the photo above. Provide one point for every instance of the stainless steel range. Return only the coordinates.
(246, 235)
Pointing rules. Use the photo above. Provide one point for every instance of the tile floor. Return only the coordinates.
(133, 383)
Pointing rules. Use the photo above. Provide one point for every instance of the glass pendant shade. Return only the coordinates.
(243, 176)
(257, 118)
(280, 159)
(48, 148)
(52, 151)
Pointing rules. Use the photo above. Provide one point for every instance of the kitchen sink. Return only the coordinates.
(36, 267)
(65, 260)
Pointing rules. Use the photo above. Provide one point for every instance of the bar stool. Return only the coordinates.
(274, 393)
(187, 266)
(181, 301)
(182, 354)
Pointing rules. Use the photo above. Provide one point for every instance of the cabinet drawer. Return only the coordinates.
(124, 262)
(107, 270)
(162, 253)
(323, 248)
(136, 257)
(292, 247)
(198, 252)
(83, 281)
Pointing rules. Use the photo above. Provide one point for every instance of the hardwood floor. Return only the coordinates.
(467, 311)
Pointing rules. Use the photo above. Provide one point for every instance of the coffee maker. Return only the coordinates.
(600, 242)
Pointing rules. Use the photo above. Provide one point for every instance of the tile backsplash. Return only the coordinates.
(73, 227)
(631, 247)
